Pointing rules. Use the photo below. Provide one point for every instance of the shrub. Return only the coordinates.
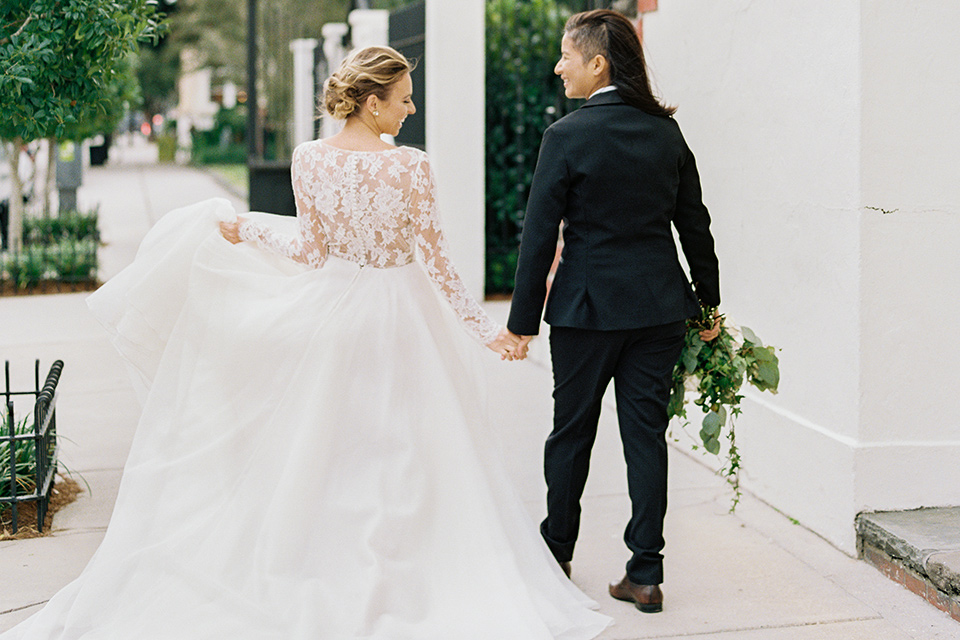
(167, 147)
(523, 98)
(28, 267)
(25, 459)
(73, 260)
(62, 249)
(73, 225)
(224, 143)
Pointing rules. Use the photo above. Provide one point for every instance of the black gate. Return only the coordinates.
(407, 35)
(28, 452)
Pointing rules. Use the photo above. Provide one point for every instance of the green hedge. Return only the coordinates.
(224, 143)
(61, 249)
(67, 225)
(523, 98)
(64, 261)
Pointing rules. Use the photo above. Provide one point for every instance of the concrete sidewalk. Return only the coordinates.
(753, 575)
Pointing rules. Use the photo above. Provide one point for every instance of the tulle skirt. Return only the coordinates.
(312, 461)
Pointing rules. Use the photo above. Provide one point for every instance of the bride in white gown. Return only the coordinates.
(312, 461)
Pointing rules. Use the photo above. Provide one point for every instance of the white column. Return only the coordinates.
(304, 94)
(334, 52)
(454, 99)
(195, 106)
(229, 95)
(370, 27)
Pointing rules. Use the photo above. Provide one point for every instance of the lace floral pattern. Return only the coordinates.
(376, 209)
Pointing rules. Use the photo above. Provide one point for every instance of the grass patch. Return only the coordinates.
(235, 175)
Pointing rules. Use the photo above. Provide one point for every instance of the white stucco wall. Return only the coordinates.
(910, 278)
(788, 107)
(455, 124)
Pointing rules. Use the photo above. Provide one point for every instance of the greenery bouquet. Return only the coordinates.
(715, 371)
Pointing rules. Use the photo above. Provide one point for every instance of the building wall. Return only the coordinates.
(803, 114)
(910, 264)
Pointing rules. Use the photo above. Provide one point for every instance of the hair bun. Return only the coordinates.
(372, 70)
(337, 98)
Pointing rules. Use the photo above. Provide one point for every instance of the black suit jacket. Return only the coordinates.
(617, 177)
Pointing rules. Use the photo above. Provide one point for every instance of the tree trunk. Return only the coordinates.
(15, 227)
(50, 175)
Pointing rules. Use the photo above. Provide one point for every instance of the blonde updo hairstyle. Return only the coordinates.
(372, 70)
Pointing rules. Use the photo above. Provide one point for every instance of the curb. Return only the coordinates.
(919, 550)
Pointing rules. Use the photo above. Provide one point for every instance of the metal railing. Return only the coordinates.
(31, 450)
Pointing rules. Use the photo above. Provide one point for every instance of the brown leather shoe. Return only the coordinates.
(647, 597)
(566, 568)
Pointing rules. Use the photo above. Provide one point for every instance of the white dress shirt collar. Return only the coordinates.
(609, 87)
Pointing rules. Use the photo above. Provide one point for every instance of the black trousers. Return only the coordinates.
(640, 362)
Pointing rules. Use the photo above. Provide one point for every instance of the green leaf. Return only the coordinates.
(675, 405)
(712, 445)
(769, 373)
(712, 424)
(690, 353)
(750, 336)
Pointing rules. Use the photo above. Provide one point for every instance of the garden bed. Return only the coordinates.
(58, 255)
(64, 492)
(47, 286)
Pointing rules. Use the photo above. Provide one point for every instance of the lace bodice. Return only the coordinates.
(374, 208)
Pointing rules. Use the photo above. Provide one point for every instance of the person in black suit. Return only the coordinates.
(617, 172)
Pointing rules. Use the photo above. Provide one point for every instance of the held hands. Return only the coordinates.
(231, 231)
(509, 345)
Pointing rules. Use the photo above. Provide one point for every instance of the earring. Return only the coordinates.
(376, 113)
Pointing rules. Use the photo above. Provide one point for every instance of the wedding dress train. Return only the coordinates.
(312, 460)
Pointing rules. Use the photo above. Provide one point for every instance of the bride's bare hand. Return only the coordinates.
(231, 231)
(506, 345)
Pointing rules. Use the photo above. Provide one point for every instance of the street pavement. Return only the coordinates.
(751, 575)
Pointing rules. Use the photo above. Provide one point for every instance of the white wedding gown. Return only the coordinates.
(313, 459)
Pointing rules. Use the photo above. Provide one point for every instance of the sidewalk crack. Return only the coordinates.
(26, 606)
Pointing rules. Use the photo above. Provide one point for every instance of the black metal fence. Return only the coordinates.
(28, 453)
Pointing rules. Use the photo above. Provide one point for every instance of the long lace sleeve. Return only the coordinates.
(309, 244)
(435, 256)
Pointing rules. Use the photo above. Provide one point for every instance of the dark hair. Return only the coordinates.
(611, 35)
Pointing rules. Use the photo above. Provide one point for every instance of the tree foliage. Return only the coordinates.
(122, 94)
(59, 58)
(61, 62)
(215, 34)
(523, 97)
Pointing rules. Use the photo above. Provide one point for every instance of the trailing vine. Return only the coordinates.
(715, 371)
